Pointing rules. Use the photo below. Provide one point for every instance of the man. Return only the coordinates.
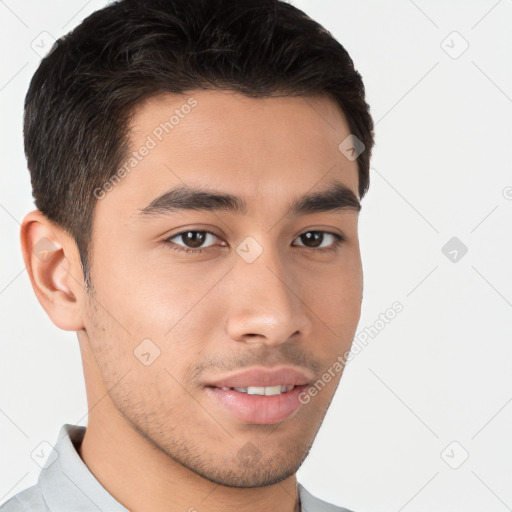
(197, 168)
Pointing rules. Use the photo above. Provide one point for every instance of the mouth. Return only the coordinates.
(258, 405)
(260, 395)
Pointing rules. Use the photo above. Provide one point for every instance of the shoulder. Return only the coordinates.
(310, 503)
(28, 500)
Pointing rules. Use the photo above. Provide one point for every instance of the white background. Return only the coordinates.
(441, 370)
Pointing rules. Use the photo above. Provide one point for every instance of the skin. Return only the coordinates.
(155, 440)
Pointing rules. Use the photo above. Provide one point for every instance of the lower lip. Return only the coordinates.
(258, 409)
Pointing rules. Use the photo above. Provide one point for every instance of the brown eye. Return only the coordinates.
(312, 238)
(315, 239)
(192, 240)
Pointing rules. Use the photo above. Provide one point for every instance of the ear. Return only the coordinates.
(53, 265)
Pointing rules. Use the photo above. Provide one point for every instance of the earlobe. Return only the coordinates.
(52, 264)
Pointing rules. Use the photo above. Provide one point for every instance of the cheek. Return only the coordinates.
(336, 293)
(340, 311)
(144, 297)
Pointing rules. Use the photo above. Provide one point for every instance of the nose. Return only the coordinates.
(266, 305)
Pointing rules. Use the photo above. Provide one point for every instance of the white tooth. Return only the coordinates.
(273, 390)
(264, 391)
(225, 388)
(253, 390)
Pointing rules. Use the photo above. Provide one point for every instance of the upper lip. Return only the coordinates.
(263, 377)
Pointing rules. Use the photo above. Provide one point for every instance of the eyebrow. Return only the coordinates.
(337, 197)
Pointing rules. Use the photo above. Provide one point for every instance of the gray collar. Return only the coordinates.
(67, 484)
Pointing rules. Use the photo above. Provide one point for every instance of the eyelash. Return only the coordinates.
(338, 240)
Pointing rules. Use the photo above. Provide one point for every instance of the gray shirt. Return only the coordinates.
(66, 485)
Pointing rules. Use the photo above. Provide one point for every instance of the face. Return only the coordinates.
(254, 291)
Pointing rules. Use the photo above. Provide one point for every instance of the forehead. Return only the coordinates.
(214, 118)
(256, 148)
